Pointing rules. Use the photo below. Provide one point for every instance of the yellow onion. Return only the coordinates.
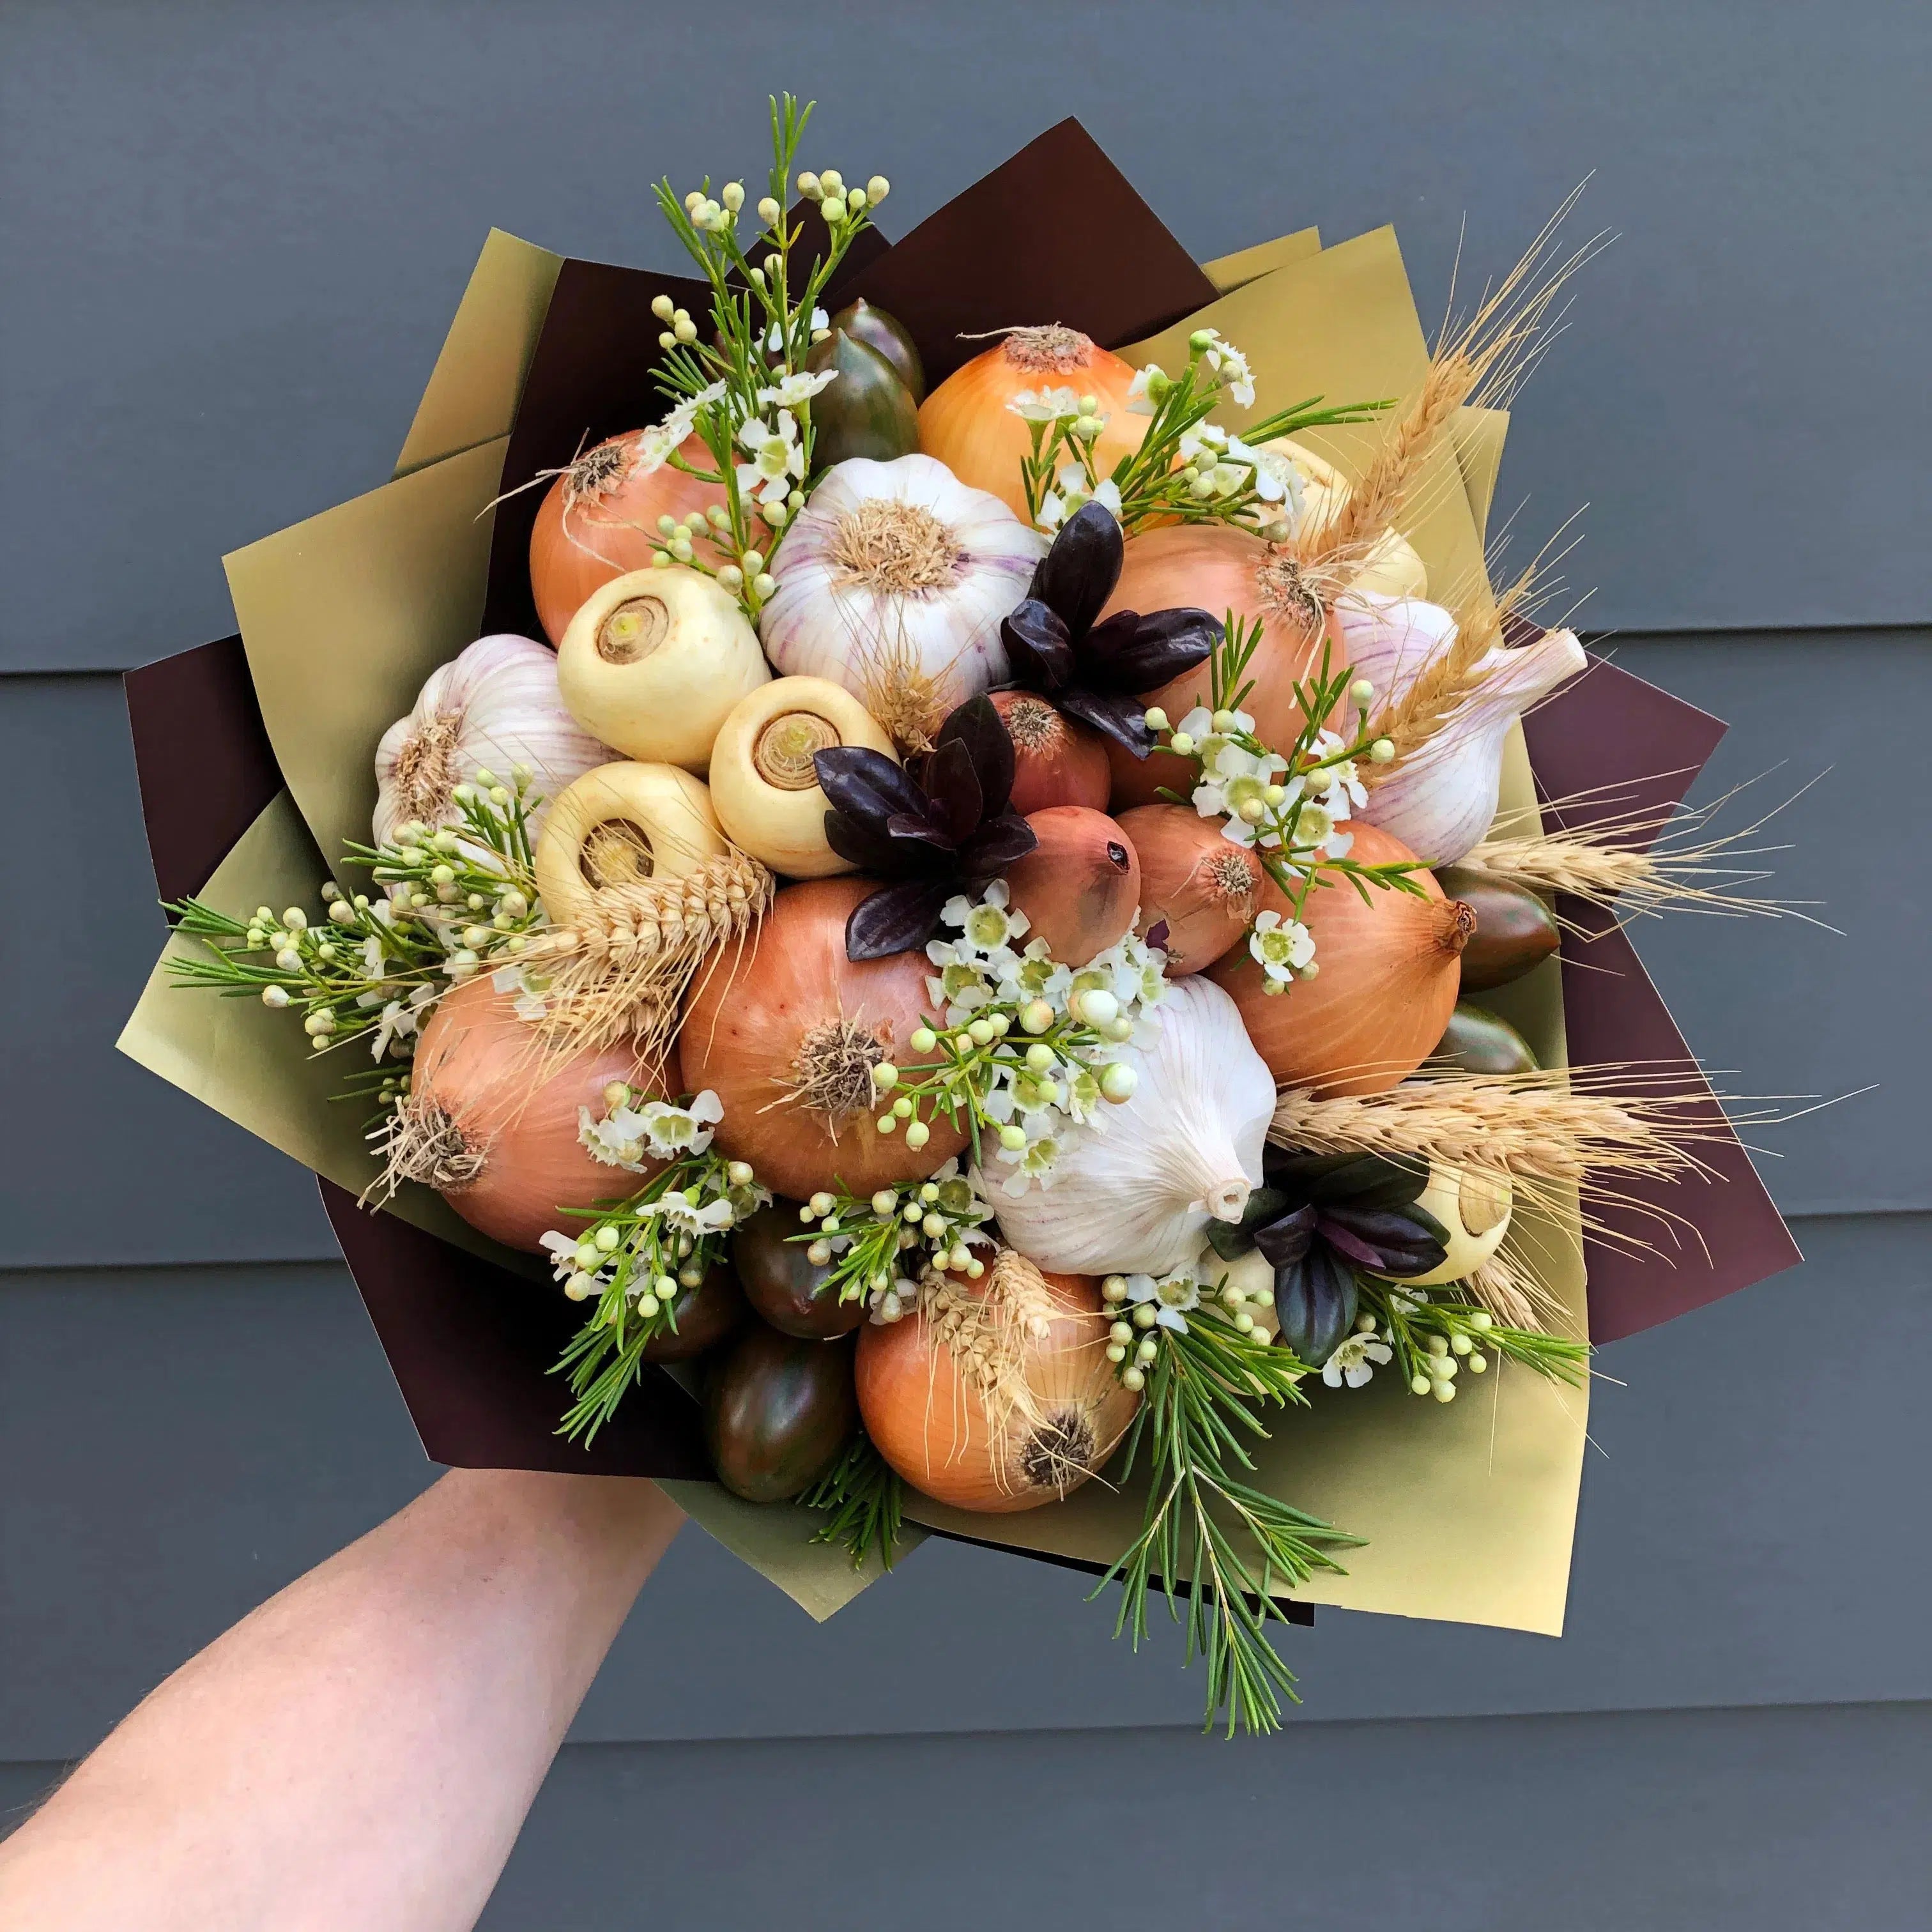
(967, 424)
(491, 1118)
(599, 519)
(995, 1395)
(1215, 568)
(1080, 883)
(1201, 887)
(1388, 966)
(1056, 760)
(786, 1030)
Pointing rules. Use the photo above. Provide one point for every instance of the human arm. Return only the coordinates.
(362, 1749)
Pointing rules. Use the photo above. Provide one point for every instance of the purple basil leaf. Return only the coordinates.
(1037, 647)
(865, 785)
(1077, 576)
(1122, 719)
(895, 918)
(995, 846)
(1158, 935)
(1164, 644)
(871, 851)
(1284, 1241)
(953, 787)
(1315, 1300)
(977, 725)
(1392, 1240)
(1097, 651)
(910, 827)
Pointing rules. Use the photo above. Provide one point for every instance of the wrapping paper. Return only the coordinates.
(256, 759)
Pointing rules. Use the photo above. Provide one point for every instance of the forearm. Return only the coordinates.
(362, 1749)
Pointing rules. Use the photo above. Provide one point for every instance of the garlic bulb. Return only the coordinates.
(493, 707)
(1440, 798)
(1133, 1195)
(892, 582)
(1392, 567)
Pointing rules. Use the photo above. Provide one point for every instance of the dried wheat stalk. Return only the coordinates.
(1595, 864)
(1483, 362)
(1552, 1126)
(620, 973)
(1410, 719)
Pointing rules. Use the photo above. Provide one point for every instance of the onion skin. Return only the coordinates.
(751, 1005)
(1056, 760)
(932, 1424)
(966, 424)
(1216, 568)
(476, 1061)
(779, 1412)
(705, 1316)
(1204, 887)
(581, 540)
(782, 1283)
(1079, 887)
(1390, 972)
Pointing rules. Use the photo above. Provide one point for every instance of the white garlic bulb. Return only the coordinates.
(893, 581)
(1440, 798)
(491, 708)
(1133, 1195)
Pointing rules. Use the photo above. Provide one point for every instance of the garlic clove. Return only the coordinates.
(1440, 798)
(893, 581)
(1134, 1195)
(494, 706)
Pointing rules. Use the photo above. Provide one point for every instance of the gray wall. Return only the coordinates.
(233, 236)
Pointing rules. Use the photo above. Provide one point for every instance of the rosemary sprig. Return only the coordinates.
(876, 1248)
(454, 898)
(1185, 469)
(636, 1255)
(736, 391)
(864, 1503)
(1208, 1532)
(1432, 1341)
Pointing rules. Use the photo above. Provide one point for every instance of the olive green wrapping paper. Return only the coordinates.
(1469, 1508)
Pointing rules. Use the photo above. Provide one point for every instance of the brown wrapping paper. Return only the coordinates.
(1470, 1509)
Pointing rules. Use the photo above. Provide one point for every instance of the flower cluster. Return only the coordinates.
(372, 966)
(745, 391)
(880, 1247)
(637, 1256)
(1290, 808)
(1186, 468)
(1145, 1307)
(996, 988)
(633, 1131)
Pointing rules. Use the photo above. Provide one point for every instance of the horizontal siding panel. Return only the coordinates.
(1783, 1009)
(1708, 1821)
(1733, 1821)
(240, 280)
(179, 1444)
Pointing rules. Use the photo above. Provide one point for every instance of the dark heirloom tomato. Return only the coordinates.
(889, 338)
(1514, 930)
(1477, 1041)
(704, 1315)
(779, 1412)
(782, 1283)
(868, 411)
